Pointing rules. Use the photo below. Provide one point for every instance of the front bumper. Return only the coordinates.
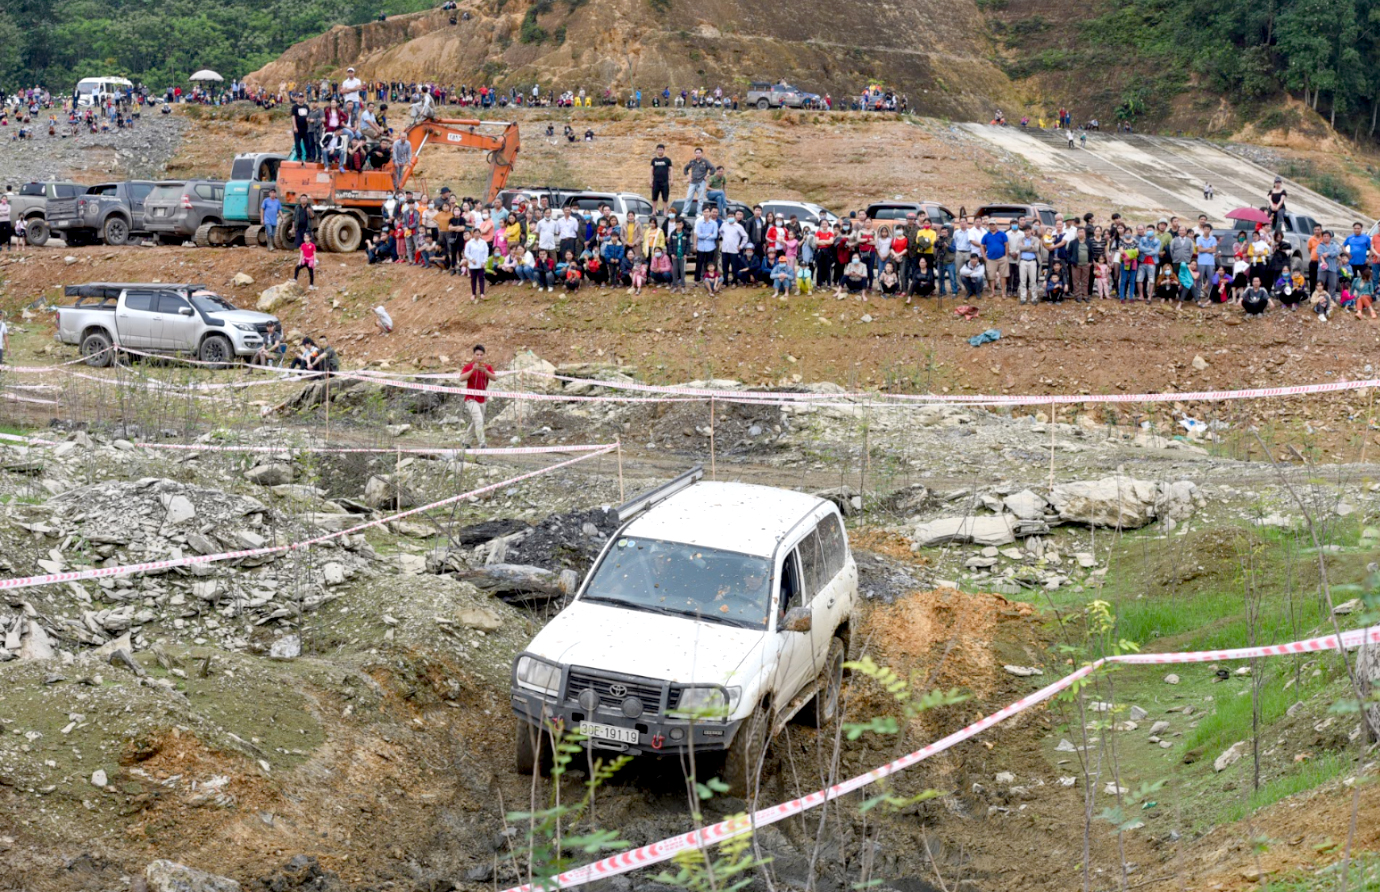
(657, 734)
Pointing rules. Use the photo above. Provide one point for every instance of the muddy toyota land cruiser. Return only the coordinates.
(717, 613)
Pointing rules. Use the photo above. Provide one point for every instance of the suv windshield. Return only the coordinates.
(684, 580)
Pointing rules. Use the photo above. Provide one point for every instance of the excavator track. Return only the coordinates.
(254, 237)
(202, 236)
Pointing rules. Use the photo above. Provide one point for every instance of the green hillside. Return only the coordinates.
(53, 43)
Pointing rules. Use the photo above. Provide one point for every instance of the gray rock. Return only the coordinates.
(169, 876)
(481, 618)
(271, 474)
(1230, 756)
(179, 509)
(1178, 501)
(201, 544)
(35, 644)
(333, 573)
(1066, 746)
(1026, 505)
(1171, 678)
(1023, 671)
(981, 530)
(98, 778)
(289, 647)
(1137, 714)
(1159, 727)
(980, 563)
(1118, 501)
(380, 492)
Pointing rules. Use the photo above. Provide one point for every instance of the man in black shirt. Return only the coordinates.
(661, 179)
(756, 227)
(301, 129)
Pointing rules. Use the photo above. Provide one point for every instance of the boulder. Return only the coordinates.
(169, 876)
(35, 645)
(243, 279)
(1230, 756)
(271, 474)
(1120, 502)
(1026, 505)
(289, 647)
(981, 530)
(480, 618)
(380, 492)
(1177, 501)
(272, 298)
(538, 374)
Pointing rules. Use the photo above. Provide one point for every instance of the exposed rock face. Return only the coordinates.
(169, 876)
(1121, 502)
(934, 52)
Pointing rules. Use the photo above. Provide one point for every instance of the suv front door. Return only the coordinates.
(175, 330)
(794, 650)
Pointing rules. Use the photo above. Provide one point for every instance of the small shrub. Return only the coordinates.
(660, 7)
(559, 35)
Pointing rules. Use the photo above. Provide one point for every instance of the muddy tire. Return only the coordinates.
(744, 756)
(217, 350)
(763, 104)
(282, 235)
(115, 231)
(532, 750)
(823, 711)
(348, 234)
(95, 348)
(325, 234)
(37, 233)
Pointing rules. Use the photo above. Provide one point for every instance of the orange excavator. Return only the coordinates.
(349, 204)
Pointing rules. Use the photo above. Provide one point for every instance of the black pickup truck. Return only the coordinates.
(109, 212)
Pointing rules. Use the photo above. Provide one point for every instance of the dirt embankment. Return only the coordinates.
(935, 53)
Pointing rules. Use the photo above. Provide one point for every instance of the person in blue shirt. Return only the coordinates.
(1149, 247)
(994, 249)
(1329, 262)
(752, 270)
(1356, 248)
(706, 240)
(269, 214)
(781, 277)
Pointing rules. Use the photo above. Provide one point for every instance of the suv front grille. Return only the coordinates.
(644, 689)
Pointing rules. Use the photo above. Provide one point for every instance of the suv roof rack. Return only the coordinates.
(637, 504)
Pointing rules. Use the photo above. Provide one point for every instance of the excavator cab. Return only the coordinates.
(349, 204)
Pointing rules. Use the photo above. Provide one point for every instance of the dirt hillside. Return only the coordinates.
(935, 52)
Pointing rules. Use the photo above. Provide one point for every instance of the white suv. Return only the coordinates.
(715, 615)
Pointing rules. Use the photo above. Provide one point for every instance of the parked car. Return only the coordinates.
(808, 213)
(158, 318)
(764, 95)
(897, 210)
(31, 207)
(533, 195)
(1043, 214)
(679, 206)
(621, 203)
(1298, 229)
(716, 614)
(174, 212)
(110, 212)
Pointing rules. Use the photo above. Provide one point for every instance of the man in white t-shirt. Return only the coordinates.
(546, 232)
(349, 89)
(4, 339)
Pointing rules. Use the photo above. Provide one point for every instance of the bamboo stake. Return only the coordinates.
(619, 441)
(1051, 445)
(713, 472)
(1365, 424)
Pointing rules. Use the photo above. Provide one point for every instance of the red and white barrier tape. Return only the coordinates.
(446, 451)
(105, 572)
(666, 849)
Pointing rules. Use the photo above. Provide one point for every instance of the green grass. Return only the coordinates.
(1363, 875)
(1310, 775)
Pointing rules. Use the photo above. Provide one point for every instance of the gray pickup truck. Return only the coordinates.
(31, 207)
(158, 318)
(109, 212)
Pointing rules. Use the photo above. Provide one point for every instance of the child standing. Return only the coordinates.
(639, 276)
(307, 261)
(1102, 279)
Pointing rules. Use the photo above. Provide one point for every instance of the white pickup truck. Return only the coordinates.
(158, 318)
(716, 614)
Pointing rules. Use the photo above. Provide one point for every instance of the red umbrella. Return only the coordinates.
(1251, 215)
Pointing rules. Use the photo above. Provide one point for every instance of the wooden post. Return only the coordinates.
(1051, 445)
(328, 409)
(619, 441)
(1365, 423)
(713, 472)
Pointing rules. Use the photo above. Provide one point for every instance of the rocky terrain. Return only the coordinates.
(138, 153)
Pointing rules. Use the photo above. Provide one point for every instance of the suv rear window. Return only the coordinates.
(32, 189)
(67, 191)
(166, 193)
(890, 213)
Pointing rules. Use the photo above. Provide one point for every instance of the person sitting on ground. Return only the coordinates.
(711, 281)
(973, 276)
(383, 320)
(1364, 290)
(1055, 286)
(1289, 296)
(1345, 297)
(569, 133)
(1167, 283)
(922, 280)
(782, 277)
(854, 279)
(306, 355)
(273, 350)
(379, 249)
(751, 270)
(1321, 302)
(889, 282)
(573, 275)
(432, 254)
(1255, 299)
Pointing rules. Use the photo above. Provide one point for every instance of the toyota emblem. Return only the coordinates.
(618, 690)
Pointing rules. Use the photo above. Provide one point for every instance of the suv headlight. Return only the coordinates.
(707, 701)
(536, 674)
(244, 326)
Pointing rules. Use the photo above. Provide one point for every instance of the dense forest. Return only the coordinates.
(53, 43)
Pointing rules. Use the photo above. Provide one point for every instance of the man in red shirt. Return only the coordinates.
(475, 375)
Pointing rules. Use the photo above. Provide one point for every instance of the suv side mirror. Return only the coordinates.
(798, 619)
(185, 311)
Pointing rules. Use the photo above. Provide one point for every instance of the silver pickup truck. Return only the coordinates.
(158, 318)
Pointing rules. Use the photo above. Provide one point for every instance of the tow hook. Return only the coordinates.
(658, 741)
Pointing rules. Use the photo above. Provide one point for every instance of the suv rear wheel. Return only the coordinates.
(95, 347)
(763, 104)
(115, 231)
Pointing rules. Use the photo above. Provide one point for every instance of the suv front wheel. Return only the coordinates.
(532, 750)
(743, 762)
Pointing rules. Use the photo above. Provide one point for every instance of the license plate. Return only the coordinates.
(160, 212)
(609, 732)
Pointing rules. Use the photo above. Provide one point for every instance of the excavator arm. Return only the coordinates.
(464, 133)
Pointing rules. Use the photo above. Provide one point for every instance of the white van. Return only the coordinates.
(95, 90)
(715, 615)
